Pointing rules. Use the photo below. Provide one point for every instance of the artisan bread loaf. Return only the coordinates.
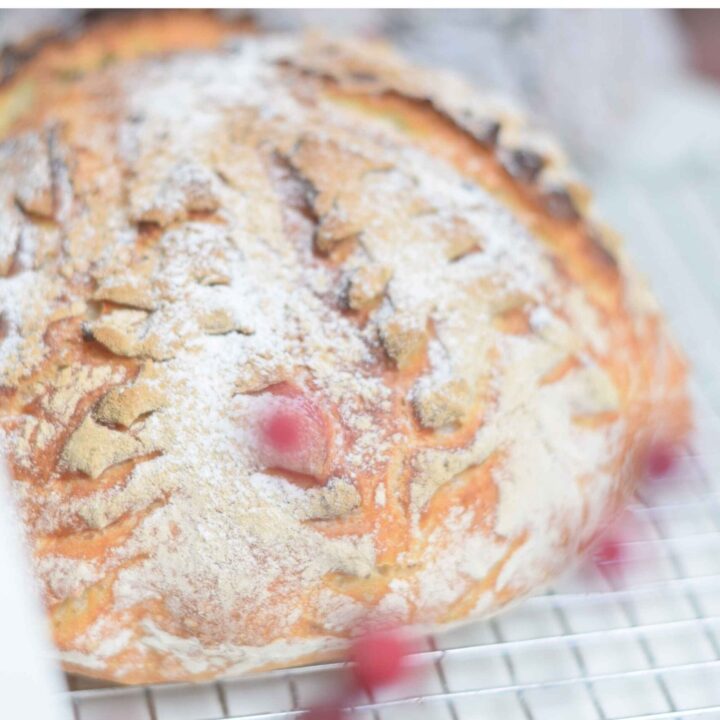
(297, 337)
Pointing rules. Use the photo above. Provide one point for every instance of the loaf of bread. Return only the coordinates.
(297, 337)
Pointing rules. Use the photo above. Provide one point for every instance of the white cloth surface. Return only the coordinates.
(29, 680)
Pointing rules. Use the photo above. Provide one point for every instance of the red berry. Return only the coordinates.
(282, 431)
(661, 459)
(294, 434)
(610, 556)
(379, 658)
(610, 550)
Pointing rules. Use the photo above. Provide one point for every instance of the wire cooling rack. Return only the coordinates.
(633, 639)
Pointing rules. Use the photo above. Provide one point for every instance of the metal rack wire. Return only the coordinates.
(638, 641)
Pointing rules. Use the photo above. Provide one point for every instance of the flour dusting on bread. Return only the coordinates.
(212, 229)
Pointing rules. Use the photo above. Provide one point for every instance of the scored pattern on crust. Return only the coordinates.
(182, 237)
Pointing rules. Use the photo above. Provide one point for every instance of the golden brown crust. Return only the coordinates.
(196, 244)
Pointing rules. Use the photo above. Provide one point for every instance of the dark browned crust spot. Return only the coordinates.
(482, 130)
(523, 165)
(559, 204)
(486, 131)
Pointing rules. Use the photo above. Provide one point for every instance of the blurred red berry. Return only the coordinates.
(609, 550)
(661, 459)
(294, 433)
(379, 658)
(282, 431)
